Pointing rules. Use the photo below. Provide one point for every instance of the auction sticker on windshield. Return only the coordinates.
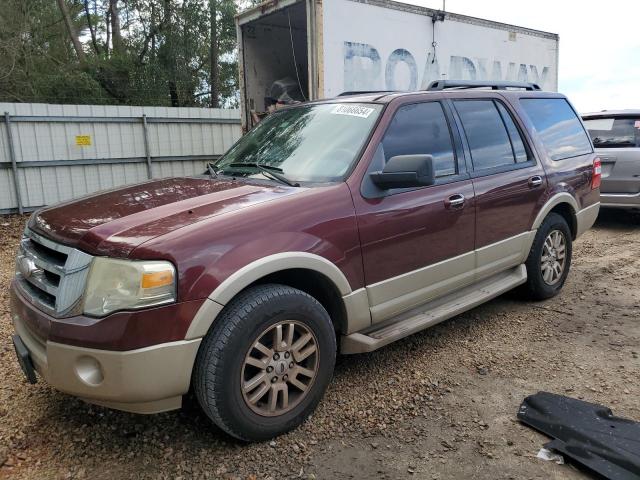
(353, 110)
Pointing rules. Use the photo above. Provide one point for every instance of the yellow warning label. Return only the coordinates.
(83, 140)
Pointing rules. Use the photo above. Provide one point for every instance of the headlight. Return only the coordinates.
(128, 284)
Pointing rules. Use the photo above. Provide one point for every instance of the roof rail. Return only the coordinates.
(461, 84)
(364, 92)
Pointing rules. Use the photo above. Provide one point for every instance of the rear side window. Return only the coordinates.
(558, 126)
(493, 138)
(614, 132)
(421, 128)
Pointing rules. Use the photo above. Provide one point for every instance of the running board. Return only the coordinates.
(433, 312)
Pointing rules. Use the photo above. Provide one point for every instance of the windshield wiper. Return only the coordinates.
(254, 164)
(612, 141)
(275, 173)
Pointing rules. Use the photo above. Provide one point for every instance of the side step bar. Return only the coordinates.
(433, 312)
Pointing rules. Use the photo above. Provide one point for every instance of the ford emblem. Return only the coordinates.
(27, 267)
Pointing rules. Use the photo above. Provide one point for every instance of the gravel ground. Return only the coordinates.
(440, 404)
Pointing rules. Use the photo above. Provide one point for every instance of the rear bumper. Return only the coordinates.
(586, 217)
(620, 200)
(145, 380)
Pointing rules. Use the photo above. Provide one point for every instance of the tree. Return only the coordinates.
(214, 71)
(71, 30)
(144, 52)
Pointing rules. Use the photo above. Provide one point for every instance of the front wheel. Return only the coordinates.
(549, 259)
(265, 364)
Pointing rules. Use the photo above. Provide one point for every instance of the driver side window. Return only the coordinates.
(421, 128)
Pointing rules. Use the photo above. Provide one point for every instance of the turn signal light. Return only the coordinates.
(157, 279)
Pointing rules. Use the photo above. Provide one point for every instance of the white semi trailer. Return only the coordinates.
(333, 46)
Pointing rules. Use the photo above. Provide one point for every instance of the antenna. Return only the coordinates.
(438, 15)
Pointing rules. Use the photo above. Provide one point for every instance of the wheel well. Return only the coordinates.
(318, 286)
(566, 211)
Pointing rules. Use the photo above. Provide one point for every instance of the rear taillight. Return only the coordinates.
(596, 176)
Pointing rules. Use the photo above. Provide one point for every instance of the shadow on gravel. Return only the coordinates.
(130, 432)
(402, 352)
(618, 220)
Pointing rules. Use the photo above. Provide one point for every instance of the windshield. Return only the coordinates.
(614, 132)
(309, 143)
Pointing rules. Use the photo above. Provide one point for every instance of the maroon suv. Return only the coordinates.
(338, 225)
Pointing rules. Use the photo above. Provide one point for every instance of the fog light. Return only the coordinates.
(89, 371)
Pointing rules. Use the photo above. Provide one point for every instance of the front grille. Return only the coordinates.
(52, 275)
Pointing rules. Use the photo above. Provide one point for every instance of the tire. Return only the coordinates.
(540, 283)
(229, 360)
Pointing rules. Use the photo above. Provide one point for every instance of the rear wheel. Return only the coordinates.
(265, 364)
(549, 259)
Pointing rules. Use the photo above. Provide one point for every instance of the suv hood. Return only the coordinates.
(115, 222)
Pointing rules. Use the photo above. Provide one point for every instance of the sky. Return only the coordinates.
(599, 43)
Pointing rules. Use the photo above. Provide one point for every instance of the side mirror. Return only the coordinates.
(405, 171)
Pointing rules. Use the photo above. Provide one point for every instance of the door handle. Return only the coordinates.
(535, 181)
(455, 201)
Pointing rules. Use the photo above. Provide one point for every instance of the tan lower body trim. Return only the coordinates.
(402, 293)
(139, 376)
(434, 312)
(147, 380)
(146, 408)
(356, 305)
(255, 271)
(503, 255)
(204, 318)
(586, 217)
(399, 294)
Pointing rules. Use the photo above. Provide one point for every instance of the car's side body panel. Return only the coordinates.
(506, 204)
(404, 233)
(321, 222)
(354, 301)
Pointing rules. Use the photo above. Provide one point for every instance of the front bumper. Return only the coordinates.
(620, 200)
(151, 379)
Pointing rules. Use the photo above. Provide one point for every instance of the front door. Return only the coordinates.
(417, 244)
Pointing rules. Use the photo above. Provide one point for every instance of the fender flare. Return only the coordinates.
(256, 270)
(555, 200)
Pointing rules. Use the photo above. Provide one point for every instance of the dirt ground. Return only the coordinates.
(440, 404)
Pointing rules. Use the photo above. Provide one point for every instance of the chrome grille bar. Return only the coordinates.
(52, 275)
(40, 260)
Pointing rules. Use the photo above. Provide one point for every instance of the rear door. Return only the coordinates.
(617, 142)
(509, 183)
(417, 244)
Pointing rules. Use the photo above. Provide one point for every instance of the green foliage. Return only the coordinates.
(135, 52)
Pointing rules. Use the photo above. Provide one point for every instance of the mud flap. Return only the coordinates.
(24, 359)
(587, 433)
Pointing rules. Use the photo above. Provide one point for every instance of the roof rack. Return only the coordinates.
(364, 92)
(461, 84)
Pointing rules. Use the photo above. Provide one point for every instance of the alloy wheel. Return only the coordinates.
(279, 369)
(553, 260)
